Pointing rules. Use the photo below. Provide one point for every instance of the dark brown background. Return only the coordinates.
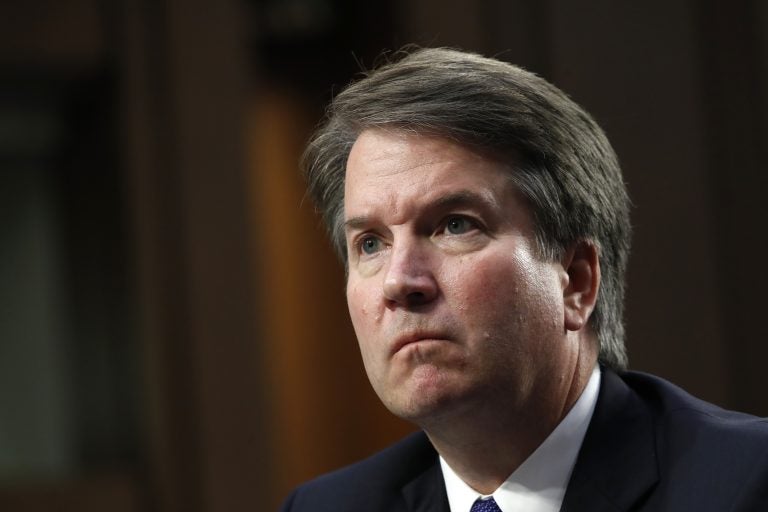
(204, 348)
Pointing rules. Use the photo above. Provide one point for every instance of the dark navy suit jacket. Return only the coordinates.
(649, 447)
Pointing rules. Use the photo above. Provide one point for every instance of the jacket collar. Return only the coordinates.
(617, 463)
(615, 469)
(426, 492)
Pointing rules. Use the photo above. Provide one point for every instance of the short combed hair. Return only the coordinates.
(562, 161)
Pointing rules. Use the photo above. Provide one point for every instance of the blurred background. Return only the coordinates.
(173, 331)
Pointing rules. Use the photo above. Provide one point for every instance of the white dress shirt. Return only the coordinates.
(539, 483)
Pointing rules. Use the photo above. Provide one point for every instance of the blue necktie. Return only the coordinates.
(482, 505)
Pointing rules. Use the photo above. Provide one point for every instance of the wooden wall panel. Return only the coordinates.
(324, 413)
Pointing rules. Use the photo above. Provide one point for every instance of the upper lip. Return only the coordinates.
(413, 337)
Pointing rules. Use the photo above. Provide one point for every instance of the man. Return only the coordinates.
(484, 225)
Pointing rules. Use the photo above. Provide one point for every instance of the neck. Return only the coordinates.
(486, 444)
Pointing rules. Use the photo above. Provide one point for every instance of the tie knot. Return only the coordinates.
(488, 505)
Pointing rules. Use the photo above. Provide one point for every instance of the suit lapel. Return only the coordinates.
(616, 466)
(426, 492)
(615, 470)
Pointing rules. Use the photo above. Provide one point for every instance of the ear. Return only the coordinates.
(582, 264)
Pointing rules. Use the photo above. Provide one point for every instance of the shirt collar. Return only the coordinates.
(539, 483)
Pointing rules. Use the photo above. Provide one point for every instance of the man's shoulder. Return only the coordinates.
(370, 483)
(653, 446)
(675, 409)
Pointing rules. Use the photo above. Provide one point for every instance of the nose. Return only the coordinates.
(409, 280)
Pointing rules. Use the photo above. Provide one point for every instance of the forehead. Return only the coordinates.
(390, 151)
(390, 167)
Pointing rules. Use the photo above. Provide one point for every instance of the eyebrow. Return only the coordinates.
(452, 200)
(463, 198)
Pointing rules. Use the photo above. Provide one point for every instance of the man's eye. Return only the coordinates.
(458, 225)
(370, 245)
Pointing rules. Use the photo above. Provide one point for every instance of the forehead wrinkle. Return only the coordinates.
(465, 197)
(371, 168)
(371, 214)
(426, 150)
(484, 199)
(386, 169)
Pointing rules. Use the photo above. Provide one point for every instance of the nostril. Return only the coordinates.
(416, 298)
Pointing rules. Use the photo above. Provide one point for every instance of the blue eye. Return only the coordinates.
(370, 245)
(458, 225)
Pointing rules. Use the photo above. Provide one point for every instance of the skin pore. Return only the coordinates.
(463, 328)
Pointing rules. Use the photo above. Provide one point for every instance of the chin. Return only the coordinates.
(426, 401)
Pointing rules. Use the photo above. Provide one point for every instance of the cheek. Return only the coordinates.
(507, 294)
(356, 303)
(361, 313)
(478, 283)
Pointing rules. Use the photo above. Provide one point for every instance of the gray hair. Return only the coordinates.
(563, 163)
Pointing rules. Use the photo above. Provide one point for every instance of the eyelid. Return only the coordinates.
(475, 223)
(358, 240)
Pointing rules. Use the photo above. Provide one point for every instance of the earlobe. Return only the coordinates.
(582, 264)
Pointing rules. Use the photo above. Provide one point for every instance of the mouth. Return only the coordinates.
(413, 338)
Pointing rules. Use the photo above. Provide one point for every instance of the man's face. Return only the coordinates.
(451, 304)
